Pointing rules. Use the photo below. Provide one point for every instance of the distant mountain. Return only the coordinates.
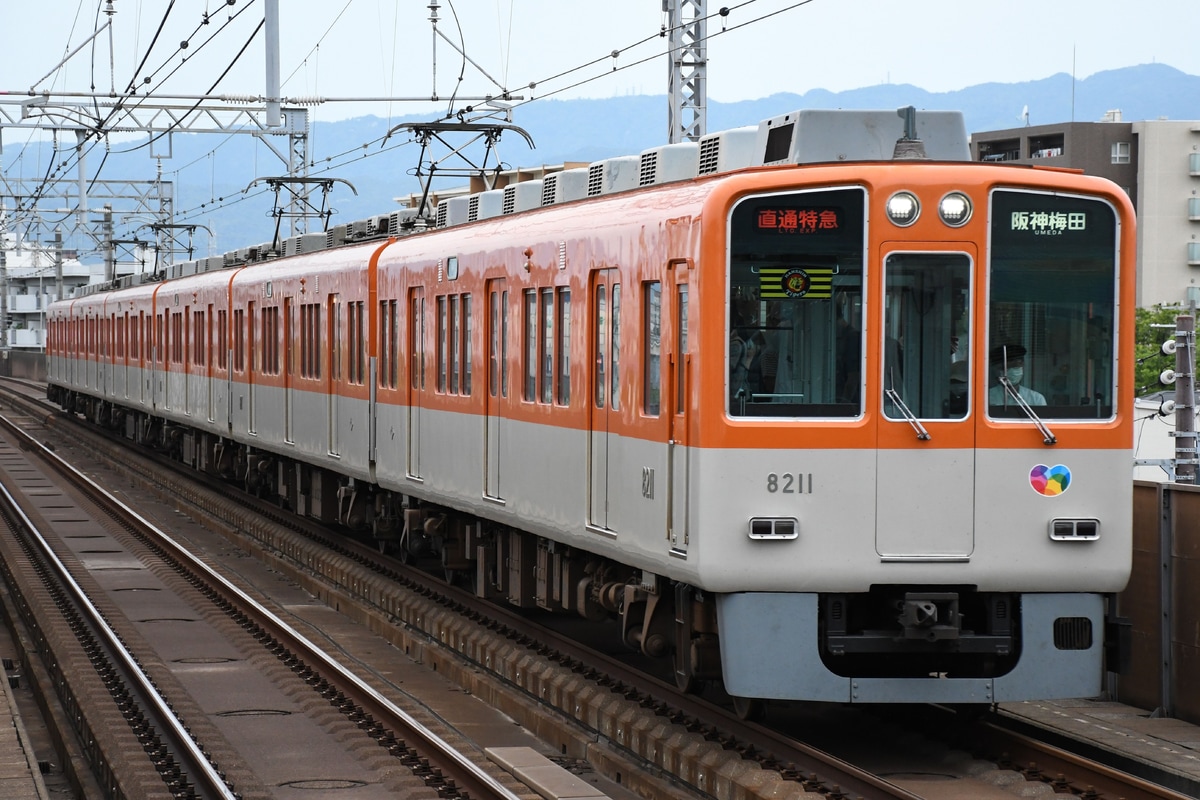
(211, 171)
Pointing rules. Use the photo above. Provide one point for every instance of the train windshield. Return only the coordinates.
(1051, 306)
(795, 299)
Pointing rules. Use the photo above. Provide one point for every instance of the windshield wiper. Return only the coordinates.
(1048, 438)
(894, 396)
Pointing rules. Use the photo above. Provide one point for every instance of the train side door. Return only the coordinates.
(126, 356)
(605, 391)
(143, 353)
(163, 361)
(677, 402)
(416, 383)
(333, 385)
(251, 363)
(186, 336)
(497, 384)
(925, 489)
(210, 355)
(289, 378)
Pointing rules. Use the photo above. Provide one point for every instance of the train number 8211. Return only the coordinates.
(789, 482)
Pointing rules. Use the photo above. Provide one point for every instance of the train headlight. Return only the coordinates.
(774, 528)
(1074, 530)
(903, 208)
(955, 209)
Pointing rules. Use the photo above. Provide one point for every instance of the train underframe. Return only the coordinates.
(888, 632)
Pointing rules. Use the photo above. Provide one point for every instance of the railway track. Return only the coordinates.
(643, 723)
(171, 741)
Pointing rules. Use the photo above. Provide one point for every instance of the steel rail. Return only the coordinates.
(193, 761)
(468, 776)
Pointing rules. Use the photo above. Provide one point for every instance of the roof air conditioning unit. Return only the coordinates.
(613, 175)
(724, 151)
(487, 204)
(522, 196)
(453, 211)
(565, 186)
(671, 162)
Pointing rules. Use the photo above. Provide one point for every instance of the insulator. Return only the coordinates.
(1169, 346)
(1166, 377)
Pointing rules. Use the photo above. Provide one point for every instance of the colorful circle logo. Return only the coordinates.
(1050, 481)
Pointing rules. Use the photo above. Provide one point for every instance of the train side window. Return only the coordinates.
(455, 344)
(531, 345)
(547, 345)
(335, 337)
(180, 332)
(681, 350)
(166, 338)
(416, 339)
(466, 344)
(601, 359)
(564, 346)
(615, 350)
(239, 340)
(253, 341)
(388, 340)
(222, 357)
(652, 349)
(198, 331)
(441, 343)
(504, 343)
(494, 344)
(310, 341)
(358, 342)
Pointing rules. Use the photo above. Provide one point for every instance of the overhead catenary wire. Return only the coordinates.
(350, 156)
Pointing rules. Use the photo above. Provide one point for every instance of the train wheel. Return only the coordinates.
(751, 709)
(687, 682)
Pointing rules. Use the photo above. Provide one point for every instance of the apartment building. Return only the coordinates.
(1157, 162)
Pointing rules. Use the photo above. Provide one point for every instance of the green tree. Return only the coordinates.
(1154, 326)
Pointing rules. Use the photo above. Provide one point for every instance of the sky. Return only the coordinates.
(384, 49)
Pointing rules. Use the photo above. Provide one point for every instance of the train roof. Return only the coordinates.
(809, 136)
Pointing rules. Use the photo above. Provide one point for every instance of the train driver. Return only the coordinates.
(1009, 361)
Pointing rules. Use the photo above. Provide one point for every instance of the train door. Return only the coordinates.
(289, 378)
(605, 391)
(163, 361)
(416, 371)
(186, 343)
(90, 353)
(925, 488)
(335, 371)
(251, 365)
(677, 403)
(211, 356)
(145, 354)
(497, 383)
(127, 356)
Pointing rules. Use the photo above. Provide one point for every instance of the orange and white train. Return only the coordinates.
(819, 408)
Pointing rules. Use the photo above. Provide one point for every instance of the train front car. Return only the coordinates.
(922, 460)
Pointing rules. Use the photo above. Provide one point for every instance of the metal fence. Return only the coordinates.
(1163, 602)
